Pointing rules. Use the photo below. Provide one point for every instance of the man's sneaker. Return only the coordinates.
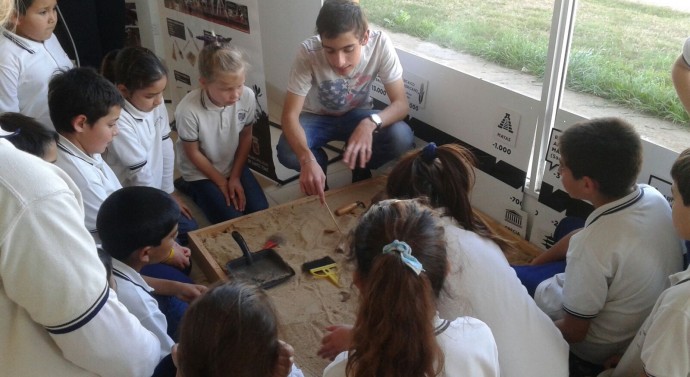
(360, 174)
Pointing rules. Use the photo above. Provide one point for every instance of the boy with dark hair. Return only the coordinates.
(138, 226)
(30, 136)
(662, 345)
(85, 107)
(618, 263)
(328, 99)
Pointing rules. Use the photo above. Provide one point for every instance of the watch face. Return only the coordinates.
(376, 119)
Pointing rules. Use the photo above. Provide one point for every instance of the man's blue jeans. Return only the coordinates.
(212, 202)
(388, 144)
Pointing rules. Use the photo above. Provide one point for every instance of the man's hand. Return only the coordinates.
(337, 340)
(359, 145)
(285, 359)
(312, 180)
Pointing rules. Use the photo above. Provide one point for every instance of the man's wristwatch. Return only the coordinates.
(377, 120)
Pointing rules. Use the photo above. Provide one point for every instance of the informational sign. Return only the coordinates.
(416, 89)
(515, 220)
(507, 127)
(553, 154)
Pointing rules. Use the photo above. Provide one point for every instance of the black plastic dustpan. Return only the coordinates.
(264, 268)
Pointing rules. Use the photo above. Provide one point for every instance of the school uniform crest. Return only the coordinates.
(242, 115)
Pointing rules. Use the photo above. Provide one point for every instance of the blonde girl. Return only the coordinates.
(214, 124)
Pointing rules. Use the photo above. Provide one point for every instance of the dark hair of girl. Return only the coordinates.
(134, 67)
(393, 334)
(446, 176)
(232, 330)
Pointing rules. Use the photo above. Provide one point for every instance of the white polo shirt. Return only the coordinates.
(135, 294)
(662, 346)
(482, 284)
(216, 129)
(92, 175)
(142, 153)
(617, 266)
(57, 315)
(26, 67)
(467, 345)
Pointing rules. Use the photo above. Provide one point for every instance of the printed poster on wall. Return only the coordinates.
(183, 22)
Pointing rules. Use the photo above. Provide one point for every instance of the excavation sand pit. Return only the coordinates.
(306, 305)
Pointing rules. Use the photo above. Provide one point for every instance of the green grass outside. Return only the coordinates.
(621, 51)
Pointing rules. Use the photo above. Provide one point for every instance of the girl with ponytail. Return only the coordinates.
(446, 176)
(399, 251)
(481, 283)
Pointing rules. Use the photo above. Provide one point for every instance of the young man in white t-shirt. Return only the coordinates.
(328, 99)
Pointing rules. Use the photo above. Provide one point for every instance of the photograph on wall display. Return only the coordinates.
(222, 12)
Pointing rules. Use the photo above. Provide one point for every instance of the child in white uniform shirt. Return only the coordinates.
(214, 124)
(143, 154)
(662, 346)
(400, 255)
(85, 108)
(138, 226)
(30, 56)
(618, 264)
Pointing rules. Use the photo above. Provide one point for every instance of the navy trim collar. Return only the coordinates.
(16, 40)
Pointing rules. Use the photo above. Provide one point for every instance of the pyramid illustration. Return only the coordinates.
(505, 123)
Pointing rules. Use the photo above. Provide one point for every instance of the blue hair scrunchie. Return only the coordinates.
(429, 153)
(405, 255)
